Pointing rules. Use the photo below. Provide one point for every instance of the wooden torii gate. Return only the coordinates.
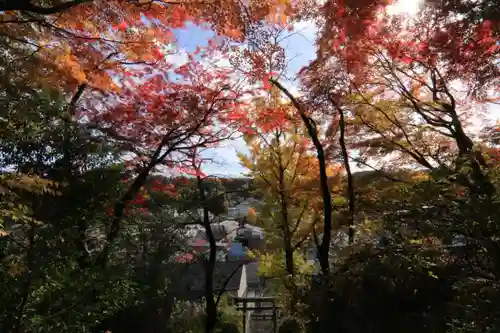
(258, 304)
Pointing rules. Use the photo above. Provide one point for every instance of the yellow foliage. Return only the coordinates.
(252, 254)
(27, 182)
(288, 178)
(11, 184)
(421, 176)
(251, 215)
(245, 161)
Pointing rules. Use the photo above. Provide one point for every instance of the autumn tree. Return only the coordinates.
(263, 62)
(163, 121)
(203, 203)
(407, 91)
(94, 48)
(211, 302)
(470, 13)
(89, 42)
(261, 58)
(50, 250)
(261, 54)
(404, 88)
(286, 173)
(86, 48)
(108, 59)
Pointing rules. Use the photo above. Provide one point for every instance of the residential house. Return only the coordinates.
(237, 278)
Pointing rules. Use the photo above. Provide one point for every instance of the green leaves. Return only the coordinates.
(432, 275)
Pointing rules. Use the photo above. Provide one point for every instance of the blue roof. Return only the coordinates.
(236, 249)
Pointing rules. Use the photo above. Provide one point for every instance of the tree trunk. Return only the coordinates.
(481, 183)
(324, 248)
(350, 180)
(210, 304)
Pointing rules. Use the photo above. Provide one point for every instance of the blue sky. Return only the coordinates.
(299, 46)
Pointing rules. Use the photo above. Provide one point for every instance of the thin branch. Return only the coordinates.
(27, 6)
(222, 290)
(345, 157)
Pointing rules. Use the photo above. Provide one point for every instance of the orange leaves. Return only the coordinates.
(239, 117)
(236, 114)
(69, 63)
(139, 200)
(233, 33)
(134, 29)
(182, 70)
(394, 49)
(277, 16)
(251, 215)
(257, 64)
(423, 47)
(178, 16)
(493, 155)
(351, 19)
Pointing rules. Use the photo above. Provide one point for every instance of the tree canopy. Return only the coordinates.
(372, 172)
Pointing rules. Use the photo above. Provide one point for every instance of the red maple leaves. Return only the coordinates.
(271, 118)
(160, 186)
(266, 80)
(190, 171)
(122, 26)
